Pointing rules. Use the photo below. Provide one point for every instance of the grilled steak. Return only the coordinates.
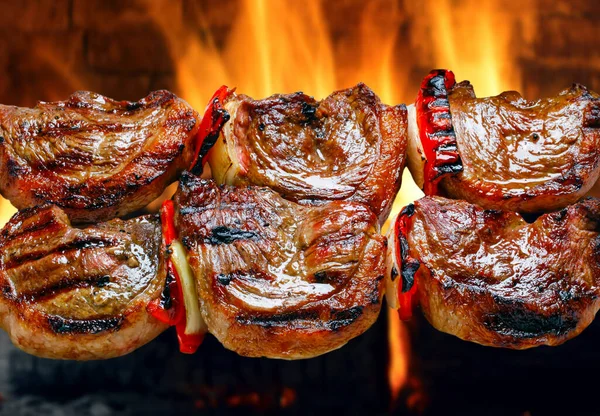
(349, 146)
(94, 157)
(75, 293)
(492, 278)
(519, 155)
(277, 279)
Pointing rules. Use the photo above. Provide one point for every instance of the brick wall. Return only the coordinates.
(50, 48)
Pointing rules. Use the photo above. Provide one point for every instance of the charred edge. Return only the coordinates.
(447, 147)
(220, 116)
(155, 99)
(436, 86)
(64, 326)
(309, 111)
(394, 273)
(441, 134)
(435, 94)
(408, 265)
(408, 211)
(278, 320)
(132, 106)
(82, 244)
(344, 318)
(520, 322)
(165, 298)
(592, 115)
(572, 179)
(449, 168)
(409, 269)
(226, 235)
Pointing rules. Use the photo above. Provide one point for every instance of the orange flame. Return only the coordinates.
(280, 47)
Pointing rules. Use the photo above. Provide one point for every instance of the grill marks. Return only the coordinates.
(95, 157)
(348, 146)
(78, 244)
(493, 278)
(83, 291)
(524, 156)
(36, 257)
(280, 279)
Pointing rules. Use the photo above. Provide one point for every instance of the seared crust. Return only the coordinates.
(94, 157)
(79, 294)
(349, 147)
(492, 278)
(277, 279)
(525, 156)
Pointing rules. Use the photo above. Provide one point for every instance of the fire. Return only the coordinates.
(474, 40)
(6, 211)
(280, 47)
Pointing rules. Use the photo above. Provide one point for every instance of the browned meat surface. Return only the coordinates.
(492, 278)
(94, 157)
(349, 146)
(75, 293)
(277, 279)
(525, 156)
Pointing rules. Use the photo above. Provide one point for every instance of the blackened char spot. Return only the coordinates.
(437, 87)
(86, 326)
(447, 147)
(441, 102)
(408, 210)
(409, 268)
(449, 168)
(226, 235)
(519, 322)
(133, 106)
(345, 317)
(309, 111)
(492, 214)
(225, 279)
(320, 276)
(165, 298)
(394, 273)
(220, 117)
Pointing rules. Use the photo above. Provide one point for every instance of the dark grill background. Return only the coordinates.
(158, 380)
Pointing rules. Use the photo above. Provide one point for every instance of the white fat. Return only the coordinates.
(222, 158)
(392, 286)
(194, 322)
(415, 152)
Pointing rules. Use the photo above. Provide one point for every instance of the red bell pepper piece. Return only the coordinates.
(407, 298)
(214, 118)
(175, 314)
(435, 129)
